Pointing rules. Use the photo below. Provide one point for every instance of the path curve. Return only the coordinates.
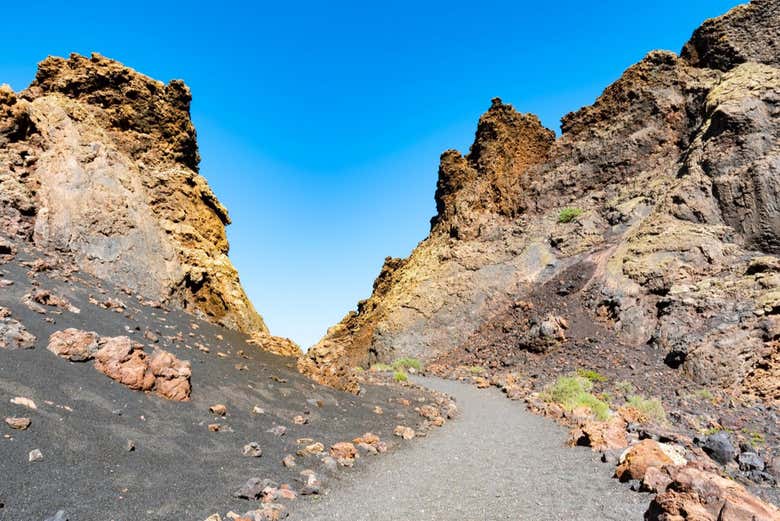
(496, 461)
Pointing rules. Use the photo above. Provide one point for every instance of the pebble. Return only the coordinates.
(406, 433)
(25, 402)
(35, 455)
(18, 423)
(252, 449)
(279, 430)
(288, 461)
(130, 446)
(218, 409)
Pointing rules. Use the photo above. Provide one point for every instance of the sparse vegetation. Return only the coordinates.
(381, 367)
(713, 430)
(400, 376)
(567, 215)
(574, 391)
(704, 394)
(407, 363)
(650, 407)
(625, 387)
(756, 438)
(591, 375)
(476, 369)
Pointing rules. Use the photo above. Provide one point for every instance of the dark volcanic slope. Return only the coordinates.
(179, 469)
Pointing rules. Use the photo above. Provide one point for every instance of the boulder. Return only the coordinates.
(171, 375)
(719, 447)
(125, 361)
(600, 435)
(74, 344)
(646, 454)
(698, 495)
(13, 334)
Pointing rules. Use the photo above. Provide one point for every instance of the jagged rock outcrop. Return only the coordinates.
(653, 220)
(101, 162)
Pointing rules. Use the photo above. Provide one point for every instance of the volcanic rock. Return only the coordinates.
(101, 162)
(644, 224)
(21, 424)
(74, 344)
(125, 361)
(13, 334)
(697, 495)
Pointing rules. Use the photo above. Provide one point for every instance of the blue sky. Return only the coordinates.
(321, 124)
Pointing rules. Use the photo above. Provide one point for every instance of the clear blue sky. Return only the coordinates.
(321, 123)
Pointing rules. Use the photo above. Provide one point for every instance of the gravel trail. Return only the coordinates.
(495, 461)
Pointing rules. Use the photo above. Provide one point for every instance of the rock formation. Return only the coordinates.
(651, 221)
(100, 162)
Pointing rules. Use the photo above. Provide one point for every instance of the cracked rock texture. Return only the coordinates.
(100, 162)
(672, 176)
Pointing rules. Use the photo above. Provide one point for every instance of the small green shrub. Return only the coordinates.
(756, 438)
(574, 391)
(400, 376)
(476, 369)
(704, 394)
(567, 215)
(714, 430)
(381, 367)
(591, 375)
(650, 407)
(625, 387)
(407, 363)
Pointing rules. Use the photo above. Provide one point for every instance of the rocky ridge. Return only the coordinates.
(100, 163)
(655, 212)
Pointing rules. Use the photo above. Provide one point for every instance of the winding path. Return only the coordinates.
(496, 461)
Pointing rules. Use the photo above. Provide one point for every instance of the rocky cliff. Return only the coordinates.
(652, 222)
(100, 163)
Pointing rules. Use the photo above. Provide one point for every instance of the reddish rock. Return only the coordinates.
(21, 424)
(172, 376)
(311, 449)
(429, 412)
(369, 439)
(344, 452)
(123, 360)
(218, 409)
(606, 435)
(697, 495)
(74, 344)
(406, 433)
(638, 458)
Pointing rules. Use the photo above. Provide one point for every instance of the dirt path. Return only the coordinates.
(496, 461)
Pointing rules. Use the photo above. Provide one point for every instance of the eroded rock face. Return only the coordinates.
(669, 186)
(102, 162)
